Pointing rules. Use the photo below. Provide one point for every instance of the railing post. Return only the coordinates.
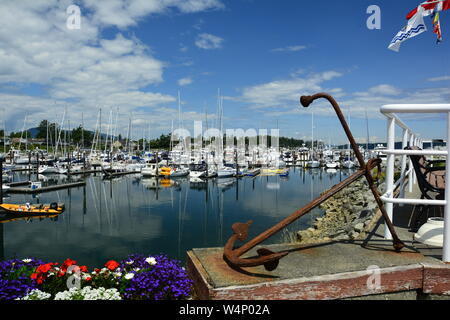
(390, 161)
(411, 171)
(403, 169)
(446, 247)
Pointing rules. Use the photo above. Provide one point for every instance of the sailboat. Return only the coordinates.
(312, 162)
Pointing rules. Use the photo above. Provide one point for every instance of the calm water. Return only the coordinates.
(110, 219)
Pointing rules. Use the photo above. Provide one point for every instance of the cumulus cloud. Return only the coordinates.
(208, 41)
(443, 78)
(280, 93)
(82, 69)
(289, 49)
(184, 81)
(126, 13)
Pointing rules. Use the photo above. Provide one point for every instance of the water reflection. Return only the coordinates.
(112, 218)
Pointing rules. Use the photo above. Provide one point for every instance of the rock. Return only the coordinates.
(342, 236)
(354, 235)
(359, 227)
(346, 215)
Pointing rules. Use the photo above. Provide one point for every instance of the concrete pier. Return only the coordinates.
(330, 270)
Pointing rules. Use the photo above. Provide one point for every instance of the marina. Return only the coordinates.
(224, 150)
(132, 213)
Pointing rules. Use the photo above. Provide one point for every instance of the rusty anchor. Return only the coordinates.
(270, 259)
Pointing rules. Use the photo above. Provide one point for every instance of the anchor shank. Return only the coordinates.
(306, 101)
(297, 214)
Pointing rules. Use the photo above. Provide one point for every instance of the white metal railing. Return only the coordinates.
(411, 139)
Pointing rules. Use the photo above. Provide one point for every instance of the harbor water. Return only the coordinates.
(110, 219)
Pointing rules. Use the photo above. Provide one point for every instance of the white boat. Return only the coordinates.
(211, 173)
(226, 172)
(312, 164)
(149, 170)
(332, 165)
(48, 169)
(179, 172)
(253, 172)
(197, 174)
(348, 164)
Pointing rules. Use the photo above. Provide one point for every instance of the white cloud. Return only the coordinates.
(184, 81)
(280, 93)
(289, 49)
(208, 41)
(443, 78)
(126, 13)
(80, 69)
(382, 89)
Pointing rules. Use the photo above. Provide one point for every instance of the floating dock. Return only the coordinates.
(46, 189)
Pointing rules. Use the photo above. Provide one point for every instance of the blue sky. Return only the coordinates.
(134, 56)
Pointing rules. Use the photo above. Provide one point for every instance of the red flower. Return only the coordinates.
(84, 269)
(61, 273)
(112, 265)
(38, 277)
(44, 268)
(67, 264)
(97, 270)
(88, 279)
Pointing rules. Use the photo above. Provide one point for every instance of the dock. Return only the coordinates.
(109, 175)
(330, 270)
(46, 189)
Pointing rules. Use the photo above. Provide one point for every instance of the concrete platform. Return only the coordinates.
(336, 270)
(327, 271)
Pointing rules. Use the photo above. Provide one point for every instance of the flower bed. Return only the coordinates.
(136, 278)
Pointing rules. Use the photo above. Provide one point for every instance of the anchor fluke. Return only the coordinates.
(241, 229)
(271, 264)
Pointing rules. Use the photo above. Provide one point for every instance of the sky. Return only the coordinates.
(131, 59)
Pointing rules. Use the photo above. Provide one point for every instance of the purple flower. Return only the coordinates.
(166, 280)
(15, 279)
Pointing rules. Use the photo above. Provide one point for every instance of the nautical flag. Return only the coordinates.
(414, 27)
(437, 27)
(430, 7)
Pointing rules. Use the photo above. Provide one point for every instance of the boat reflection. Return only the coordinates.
(156, 183)
(11, 218)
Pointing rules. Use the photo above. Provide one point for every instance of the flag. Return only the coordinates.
(437, 27)
(430, 7)
(414, 27)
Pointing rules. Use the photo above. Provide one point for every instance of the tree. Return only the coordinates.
(78, 134)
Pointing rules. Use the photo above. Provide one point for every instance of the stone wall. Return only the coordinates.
(349, 215)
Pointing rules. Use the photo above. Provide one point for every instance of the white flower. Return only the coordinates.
(129, 262)
(86, 276)
(137, 269)
(88, 293)
(151, 261)
(118, 274)
(129, 276)
(36, 294)
(27, 260)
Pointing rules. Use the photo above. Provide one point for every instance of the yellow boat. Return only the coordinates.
(37, 209)
(165, 171)
(273, 171)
